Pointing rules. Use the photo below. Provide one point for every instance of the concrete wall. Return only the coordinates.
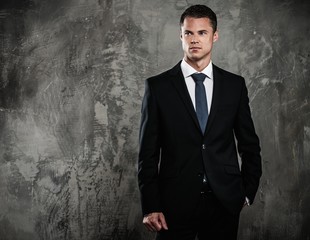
(71, 84)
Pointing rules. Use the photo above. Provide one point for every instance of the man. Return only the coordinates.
(189, 177)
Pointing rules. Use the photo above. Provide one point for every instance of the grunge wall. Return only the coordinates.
(71, 83)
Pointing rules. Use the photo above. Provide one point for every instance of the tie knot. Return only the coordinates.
(199, 77)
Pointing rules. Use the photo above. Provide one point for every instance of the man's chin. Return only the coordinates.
(195, 58)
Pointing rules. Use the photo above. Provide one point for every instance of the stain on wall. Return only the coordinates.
(71, 84)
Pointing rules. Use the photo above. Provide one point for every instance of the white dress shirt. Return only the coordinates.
(187, 71)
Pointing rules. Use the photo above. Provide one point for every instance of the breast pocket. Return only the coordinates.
(227, 109)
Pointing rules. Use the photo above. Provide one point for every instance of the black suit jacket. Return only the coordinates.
(174, 154)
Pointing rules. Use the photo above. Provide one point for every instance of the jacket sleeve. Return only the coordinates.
(248, 146)
(149, 153)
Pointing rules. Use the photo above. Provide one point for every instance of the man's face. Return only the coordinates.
(197, 39)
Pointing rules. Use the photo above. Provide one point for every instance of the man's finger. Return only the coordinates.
(150, 227)
(155, 221)
(163, 221)
(148, 224)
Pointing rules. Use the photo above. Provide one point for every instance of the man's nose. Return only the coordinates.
(194, 39)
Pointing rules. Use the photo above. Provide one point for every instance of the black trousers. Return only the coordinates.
(211, 221)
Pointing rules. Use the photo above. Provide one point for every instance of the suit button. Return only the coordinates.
(204, 146)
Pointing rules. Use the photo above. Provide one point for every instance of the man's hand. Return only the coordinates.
(155, 222)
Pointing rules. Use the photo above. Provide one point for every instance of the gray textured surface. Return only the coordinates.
(71, 83)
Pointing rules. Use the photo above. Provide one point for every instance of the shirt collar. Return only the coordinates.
(188, 70)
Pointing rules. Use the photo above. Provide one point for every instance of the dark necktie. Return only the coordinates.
(201, 100)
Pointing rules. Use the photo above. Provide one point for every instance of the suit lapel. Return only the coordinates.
(215, 98)
(180, 85)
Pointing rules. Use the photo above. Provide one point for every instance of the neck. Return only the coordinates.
(198, 65)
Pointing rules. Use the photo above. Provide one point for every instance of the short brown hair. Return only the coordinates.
(200, 11)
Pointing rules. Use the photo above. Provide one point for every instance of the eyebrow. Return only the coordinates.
(199, 31)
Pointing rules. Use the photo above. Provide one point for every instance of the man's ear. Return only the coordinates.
(215, 36)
